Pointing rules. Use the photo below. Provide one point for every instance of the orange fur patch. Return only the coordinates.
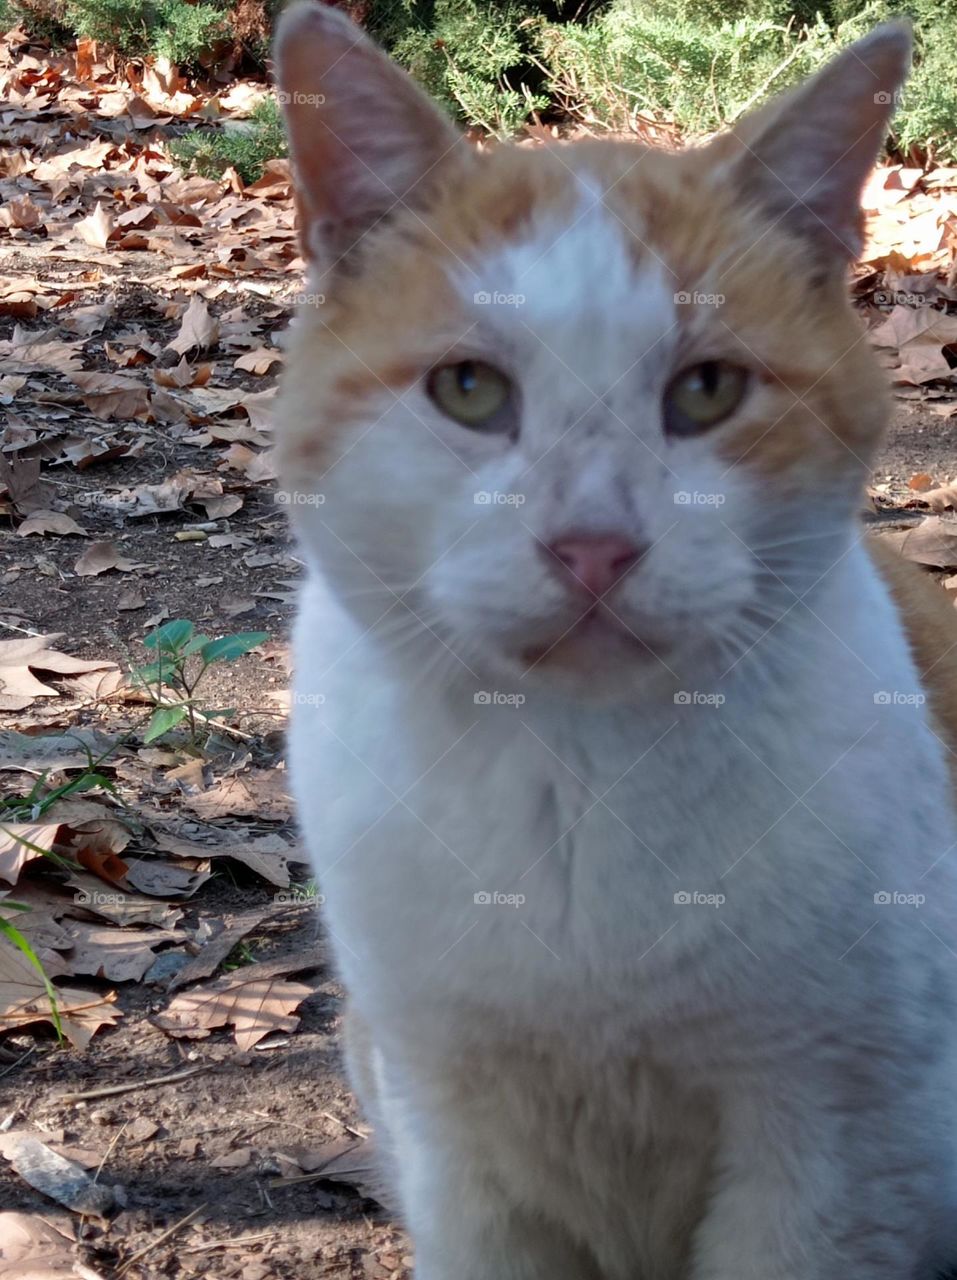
(396, 313)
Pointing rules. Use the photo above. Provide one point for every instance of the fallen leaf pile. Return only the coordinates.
(907, 275)
(145, 303)
(96, 894)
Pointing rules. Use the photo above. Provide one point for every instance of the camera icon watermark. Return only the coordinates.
(698, 698)
(298, 895)
(900, 298)
(295, 498)
(692, 898)
(688, 298)
(496, 299)
(492, 698)
(898, 698)
(686, 498)
(887, 898)
(100, 898)
(485, 899)
(484, 498)
(884, 99)
(296, 99)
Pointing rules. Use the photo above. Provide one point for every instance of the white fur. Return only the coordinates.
(603, 1081)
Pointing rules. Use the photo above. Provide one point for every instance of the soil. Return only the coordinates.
(245, 1221)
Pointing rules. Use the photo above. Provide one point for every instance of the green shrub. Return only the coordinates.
(703, 63)
(210, 151)
(654, 59)
(472, 55)
(187, 33)
(174, 29)
(697, 63)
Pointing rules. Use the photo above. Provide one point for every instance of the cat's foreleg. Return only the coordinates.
(465, 1227)
(793, 1199)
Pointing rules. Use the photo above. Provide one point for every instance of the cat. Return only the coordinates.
(632, 818)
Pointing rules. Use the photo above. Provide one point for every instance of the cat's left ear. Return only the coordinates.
(363, 136)
(806, 156)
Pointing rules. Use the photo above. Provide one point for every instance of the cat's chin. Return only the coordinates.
(598, 658)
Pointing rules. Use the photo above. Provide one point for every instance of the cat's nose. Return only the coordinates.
(592, 562)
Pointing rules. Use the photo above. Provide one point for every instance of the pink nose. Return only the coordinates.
(592, 563)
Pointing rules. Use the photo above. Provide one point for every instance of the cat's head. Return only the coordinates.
(574, 414)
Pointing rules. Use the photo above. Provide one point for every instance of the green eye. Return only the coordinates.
(474, 394)
(702, 396)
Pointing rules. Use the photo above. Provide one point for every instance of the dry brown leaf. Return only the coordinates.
(165, 879)
(268, 856)
(24, 351)
(120, 906)
(113, 395)
(131, 598)
(218, 948)
(351, 1161)
(933, 542)
(118, 955)
(259, 407)
(258, 793)
(15, 841)
(255, 1000)
(255, 466)
(68, 750)
(24, 1001)
(199, 329)
(97, 228)
(259, 361)
(921, 482)
(184, 375)
(50, 522)
(943, 498)
(20, 477)
(31, 1249)
(85, 58)
(88, 320)
(21, 657)
(218, 507)
(21, 212)
(99, 557)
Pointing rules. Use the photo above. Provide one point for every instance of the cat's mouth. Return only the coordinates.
(597, 635)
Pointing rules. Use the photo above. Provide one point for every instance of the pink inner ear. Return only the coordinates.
(361, 133)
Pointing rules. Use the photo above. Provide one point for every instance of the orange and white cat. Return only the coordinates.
(634, 826)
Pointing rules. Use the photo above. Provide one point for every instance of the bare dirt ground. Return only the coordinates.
(141, 320)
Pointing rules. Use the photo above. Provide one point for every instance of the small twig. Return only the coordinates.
(229, 1244)
(13, 1065)
(109, 1149)
(110, 1091)
(24, 631)
(155, 1244)
(348, 1127)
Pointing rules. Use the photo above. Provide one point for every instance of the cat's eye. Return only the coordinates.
(702, 396)
(474, 394)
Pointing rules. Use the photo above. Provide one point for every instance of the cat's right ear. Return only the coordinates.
(362, 136)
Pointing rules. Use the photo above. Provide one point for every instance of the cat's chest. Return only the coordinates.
(591, 870)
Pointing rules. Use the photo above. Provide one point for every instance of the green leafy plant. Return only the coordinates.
(247, 146)
(35, 803)
(182, 660)
(240, 956)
